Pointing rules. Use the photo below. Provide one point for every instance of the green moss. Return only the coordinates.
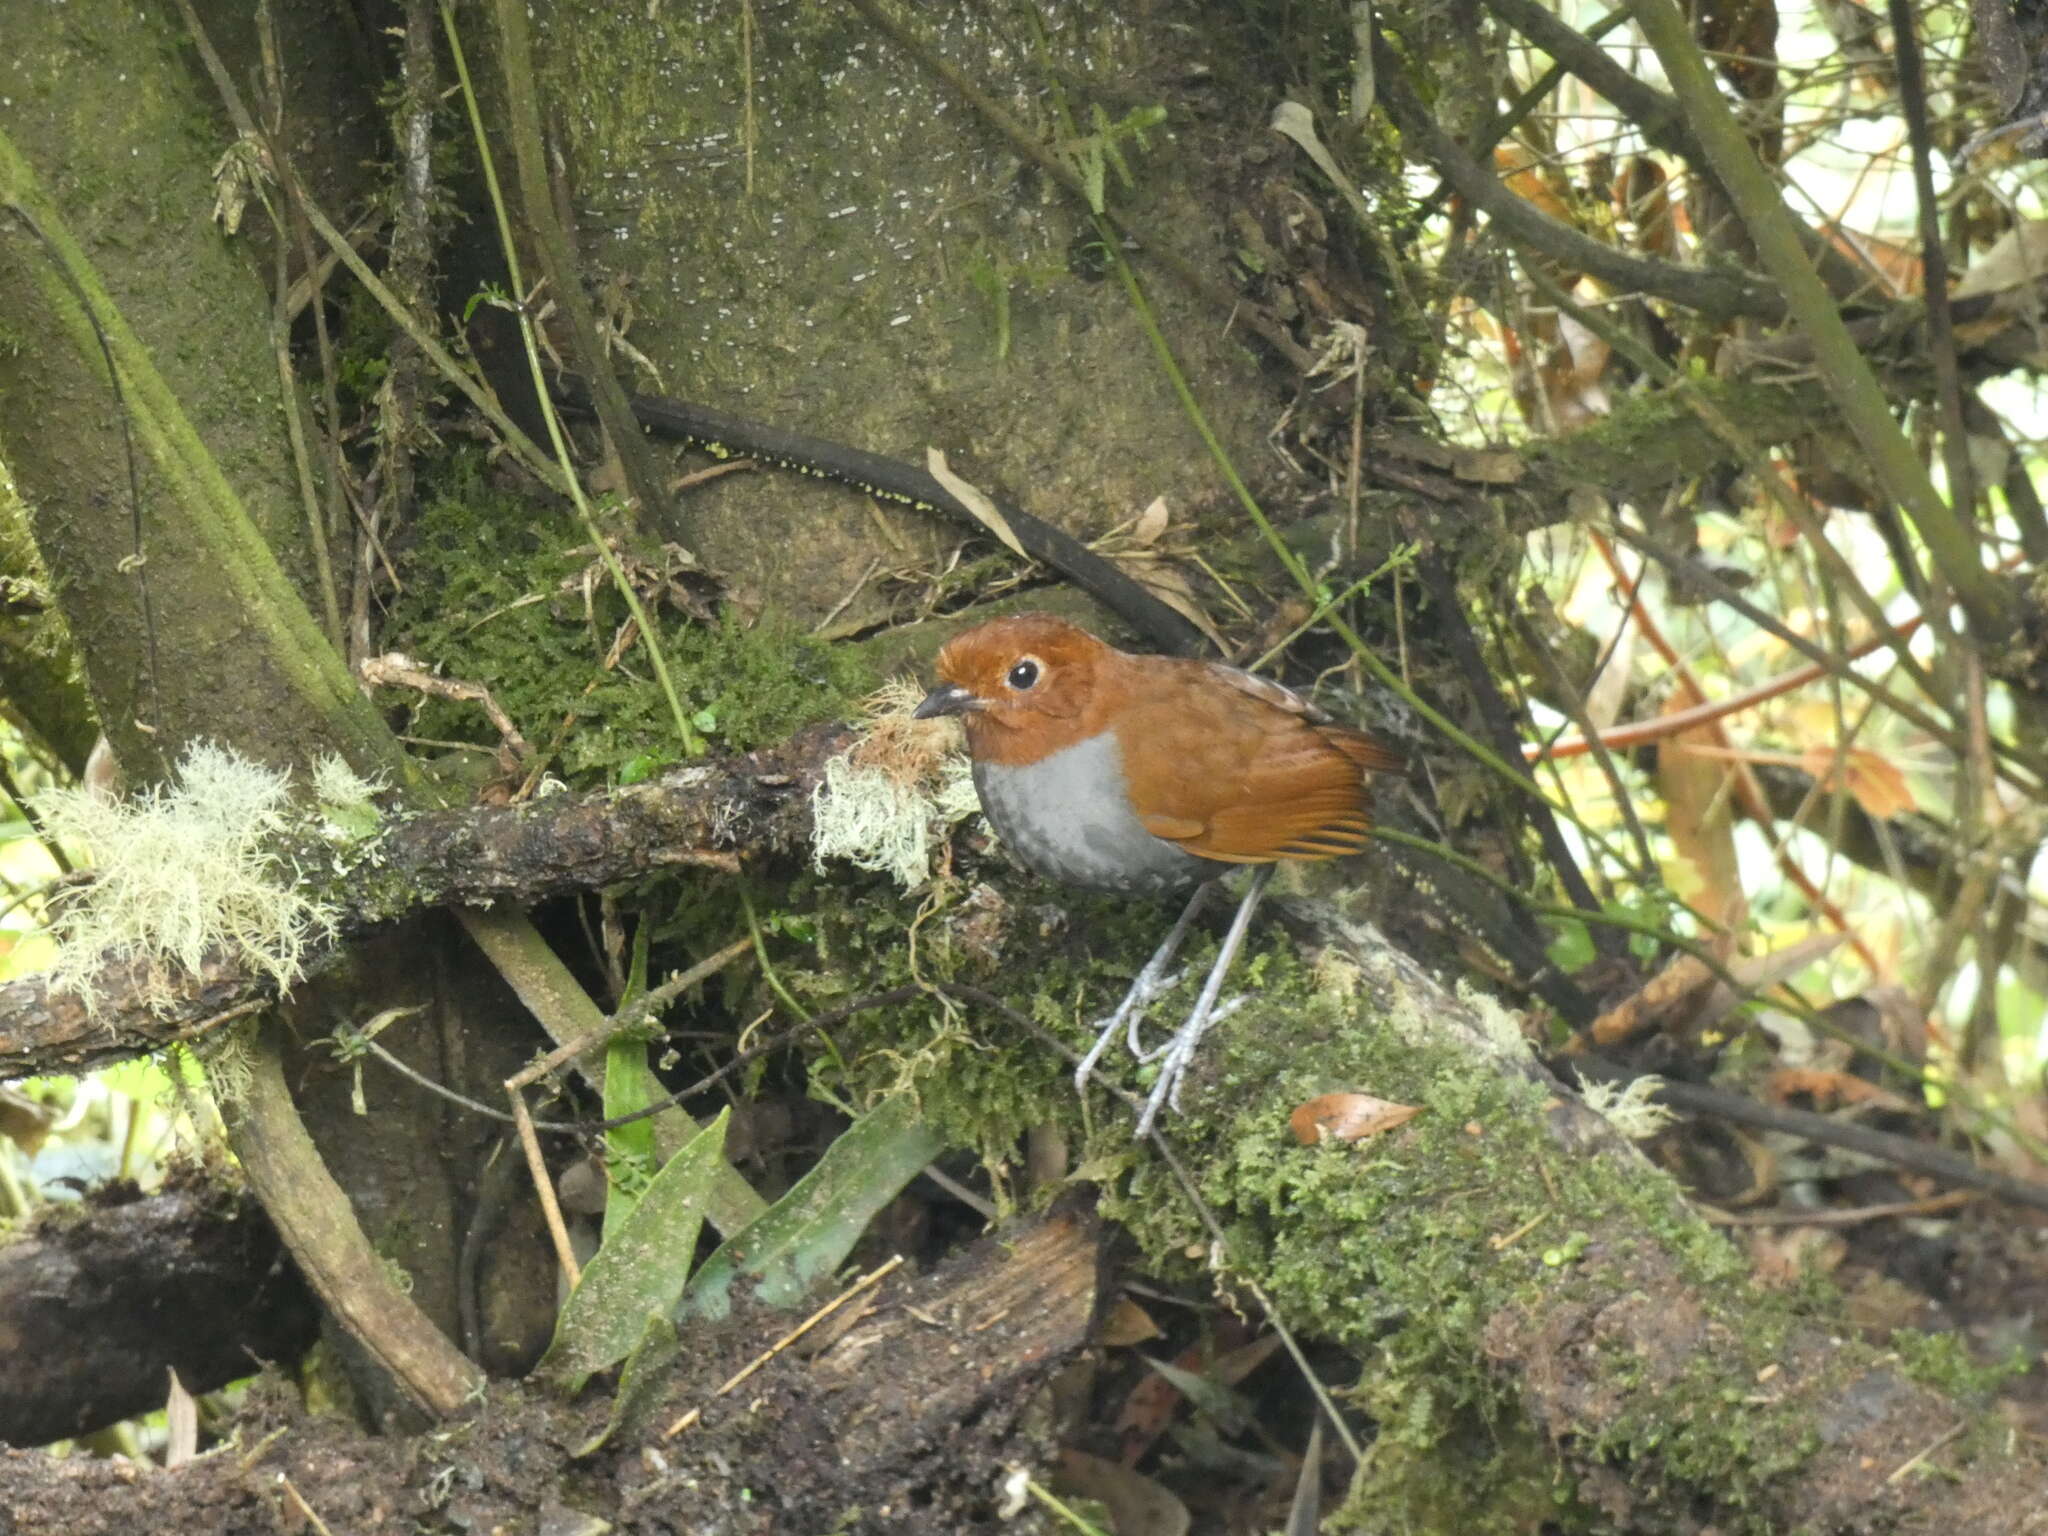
(502, 592)
(1655, 440)
(1426, 1253)
(1946, 1362)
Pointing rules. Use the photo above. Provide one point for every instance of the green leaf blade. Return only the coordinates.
(642, 1267)
(809, 1231)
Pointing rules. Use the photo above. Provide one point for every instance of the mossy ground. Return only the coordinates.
(1384, 1248)
(1471, 1230)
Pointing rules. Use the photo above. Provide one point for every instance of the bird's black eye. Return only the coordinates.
(1023, 675)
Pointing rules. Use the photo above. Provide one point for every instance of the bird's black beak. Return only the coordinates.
(947, 699)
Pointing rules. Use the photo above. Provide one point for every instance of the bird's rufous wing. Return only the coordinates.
(1238, 769)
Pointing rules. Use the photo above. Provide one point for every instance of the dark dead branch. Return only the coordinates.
(192, 1280)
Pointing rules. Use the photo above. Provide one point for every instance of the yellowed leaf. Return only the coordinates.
(1699, 818)
(1128, 1323)
(1876, 782)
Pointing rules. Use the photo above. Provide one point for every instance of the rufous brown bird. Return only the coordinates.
(1144, 774)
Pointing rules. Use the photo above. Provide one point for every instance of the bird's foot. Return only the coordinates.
(1129, 1015)
(1168, 1046)
(1151, 980)
(1180, 1050)
(1177, 1055)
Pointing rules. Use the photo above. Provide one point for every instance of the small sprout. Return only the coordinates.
(1570, 1251)
(639, 769)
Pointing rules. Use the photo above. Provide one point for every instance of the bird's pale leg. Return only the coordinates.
(1181, 1049)
(1148, 984)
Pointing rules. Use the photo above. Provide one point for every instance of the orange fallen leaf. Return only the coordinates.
(1347, 1117)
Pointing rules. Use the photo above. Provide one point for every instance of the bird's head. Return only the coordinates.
(1022, 686)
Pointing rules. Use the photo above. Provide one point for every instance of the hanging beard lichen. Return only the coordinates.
(182, 870)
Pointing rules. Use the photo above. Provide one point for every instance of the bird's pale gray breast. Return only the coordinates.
(1069, 817)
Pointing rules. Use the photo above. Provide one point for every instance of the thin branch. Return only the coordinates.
(1990, 604)
(703, 815)
(1718, 294)
(1898, 1151)
(1941, 336)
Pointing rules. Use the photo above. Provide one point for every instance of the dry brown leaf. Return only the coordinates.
(1167, 584)
(1127, 1324)
(1151, 1404)
(1643, 192)
(974, 500)
(1875, 782)
(1898, 264)
(1572, 373)
(1347, 1117)
(1534, 183)
(1699, 817)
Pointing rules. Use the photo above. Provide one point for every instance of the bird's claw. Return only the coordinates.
(1129, 1016)
(1179, 1053)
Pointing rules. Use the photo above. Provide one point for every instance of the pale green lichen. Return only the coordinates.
(347, 798)
(886, 802)
(1631, 1108)
(336, 784)
(182, 870)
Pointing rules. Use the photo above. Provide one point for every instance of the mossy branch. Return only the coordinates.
(706, 816)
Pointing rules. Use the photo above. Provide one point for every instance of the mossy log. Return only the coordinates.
(1507, 1262)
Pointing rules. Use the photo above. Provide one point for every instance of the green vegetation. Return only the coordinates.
(499, 593)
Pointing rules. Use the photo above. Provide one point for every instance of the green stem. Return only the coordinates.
(774, 978)
(693, 744)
